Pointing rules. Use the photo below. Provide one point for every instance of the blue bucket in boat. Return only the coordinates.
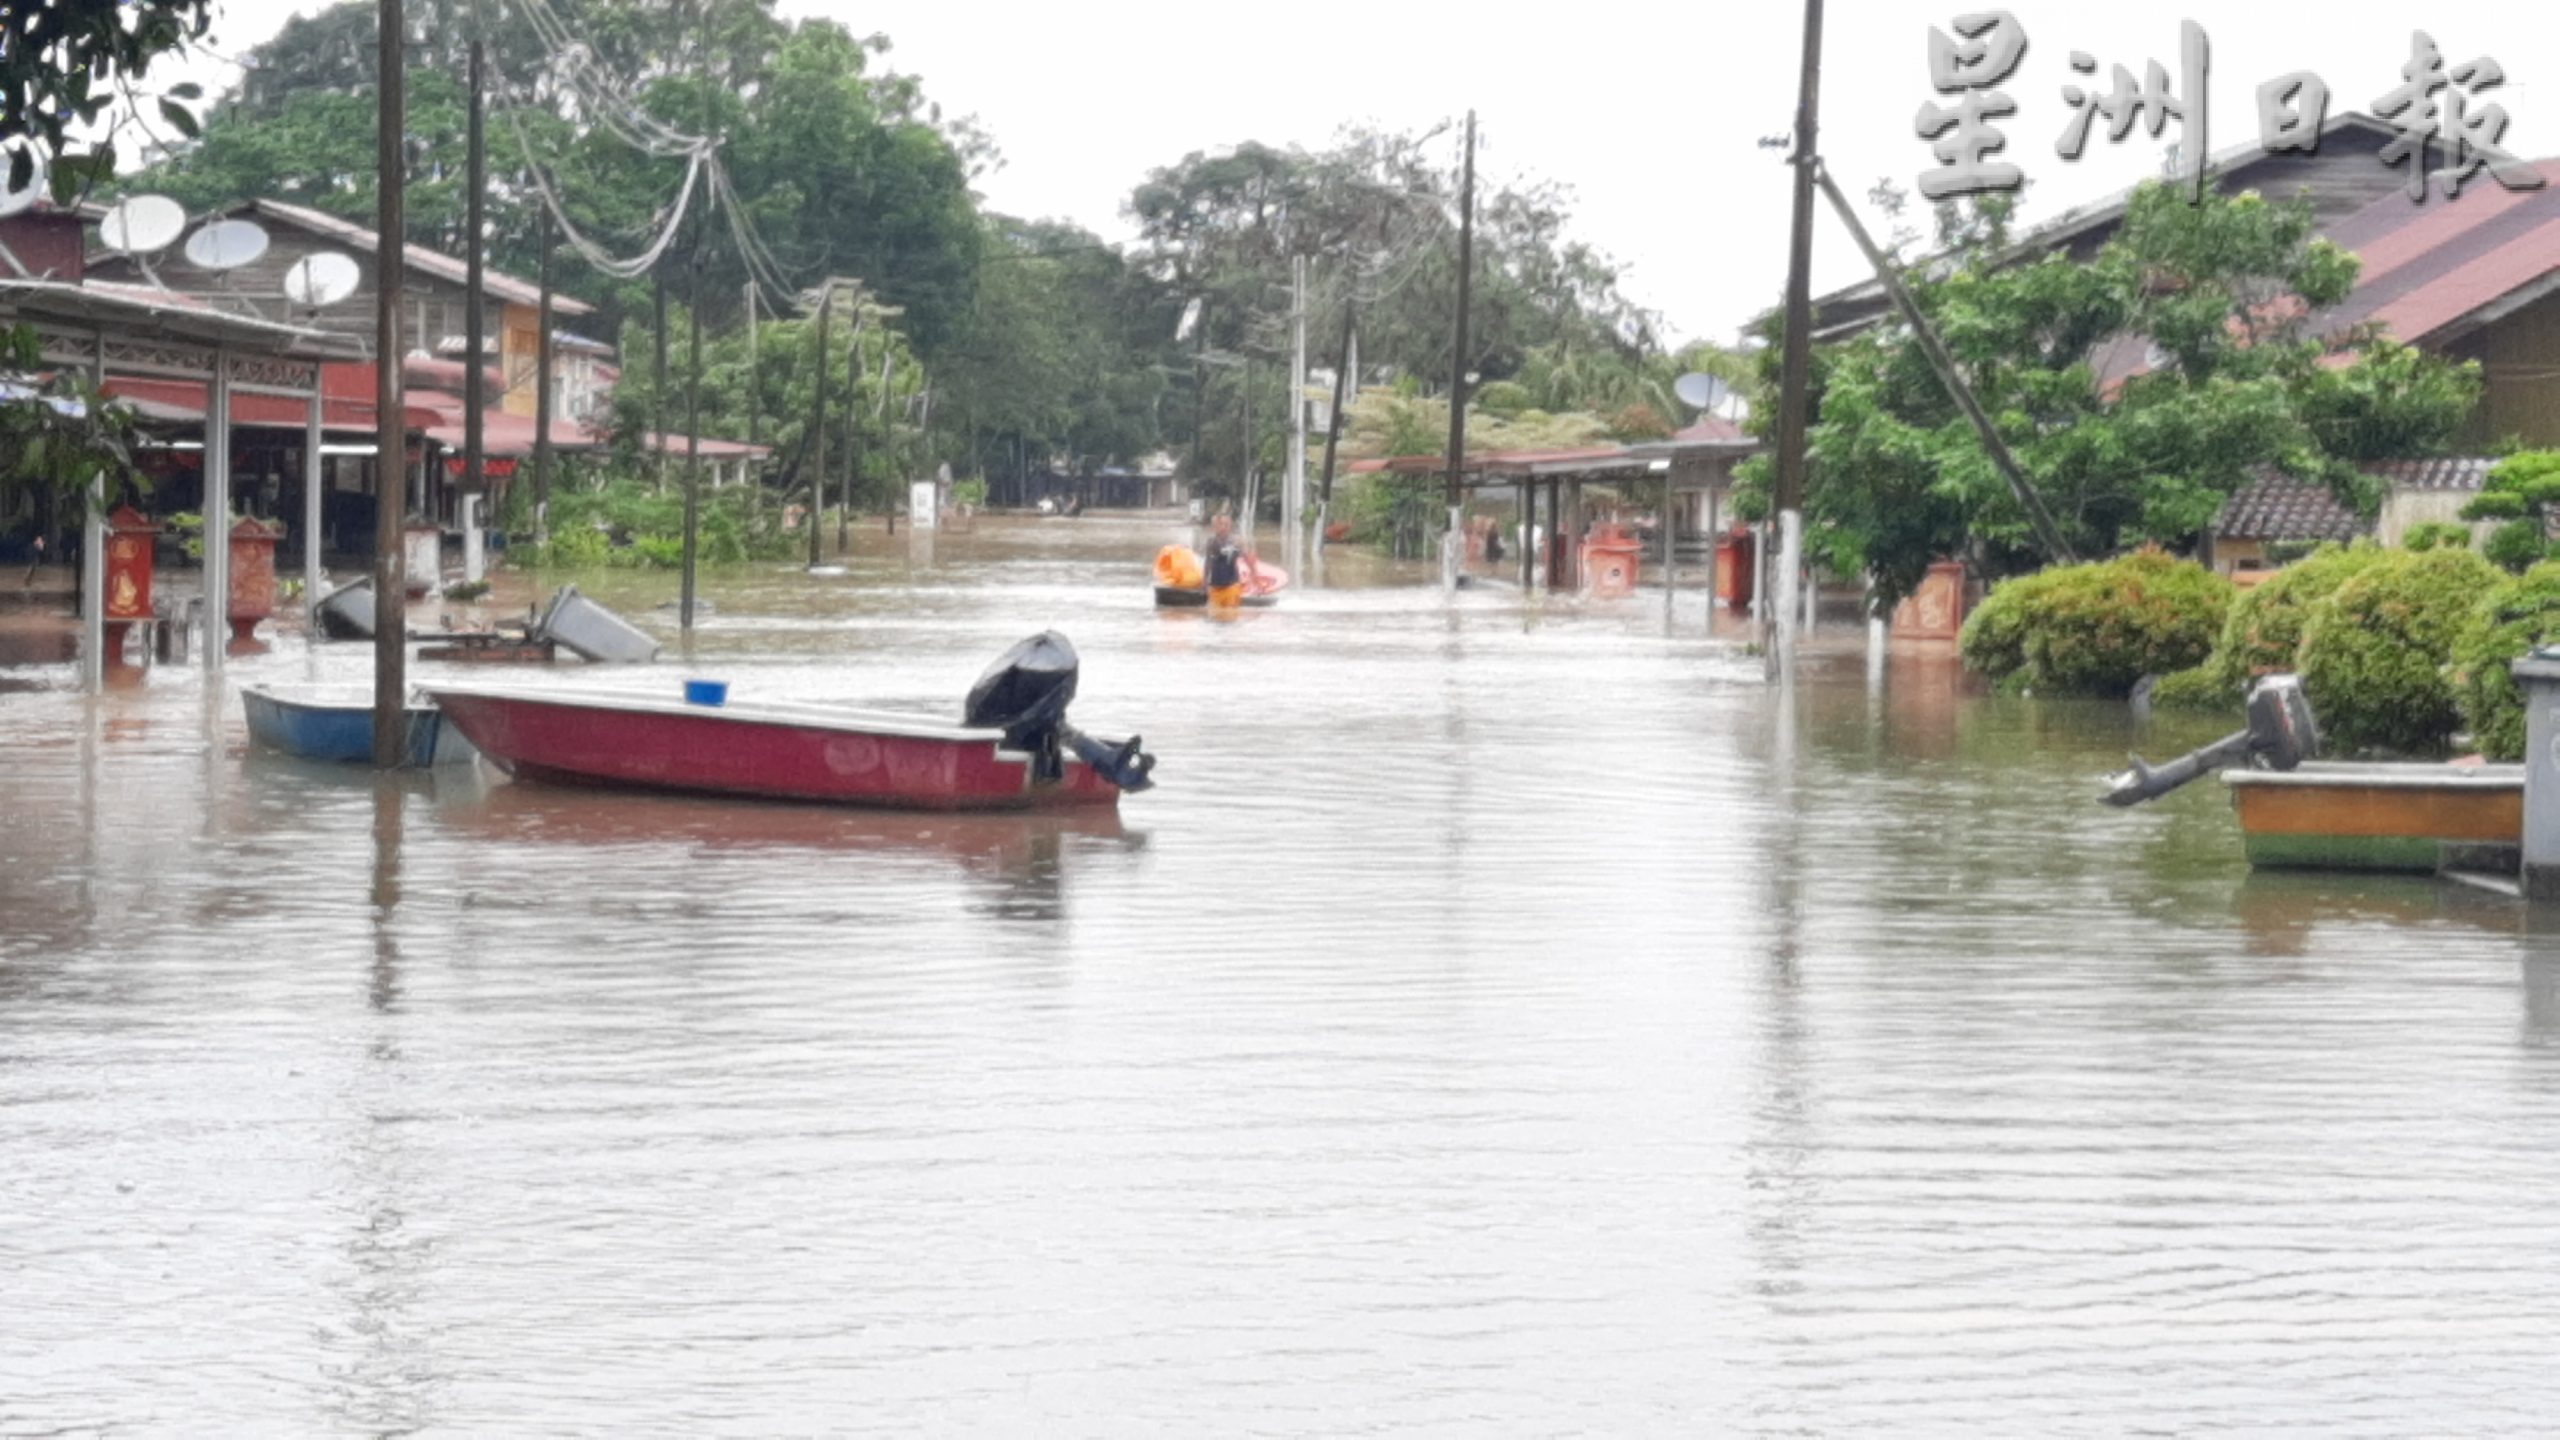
(706, 692)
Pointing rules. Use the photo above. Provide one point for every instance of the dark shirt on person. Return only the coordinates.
(1224, 562)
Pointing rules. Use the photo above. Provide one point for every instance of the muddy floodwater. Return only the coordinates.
(1501, 1019)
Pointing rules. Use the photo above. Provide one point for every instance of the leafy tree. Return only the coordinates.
(1375, 213)
(844, 170)
(57, 432)
(64, 64)
(1065, 354)
(2216, 296)
(2521, 490)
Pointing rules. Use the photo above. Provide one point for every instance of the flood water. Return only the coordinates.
(1500, 1020)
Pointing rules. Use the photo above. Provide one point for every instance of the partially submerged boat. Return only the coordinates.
(1011, 750)
(1181, 584)
(2391, 816)
(336, 723)
(2299, 814)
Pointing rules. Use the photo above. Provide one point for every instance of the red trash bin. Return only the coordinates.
(1611, 559)
(1735, 564)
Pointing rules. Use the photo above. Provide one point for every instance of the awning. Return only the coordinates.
(505, 434)
(184, 402)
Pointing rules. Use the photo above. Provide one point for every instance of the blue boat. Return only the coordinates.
(318, 723)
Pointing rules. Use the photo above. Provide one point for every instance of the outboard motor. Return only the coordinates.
(1025, 694)
(2280, 736)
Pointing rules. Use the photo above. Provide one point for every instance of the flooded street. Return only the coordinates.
(1499, 1019)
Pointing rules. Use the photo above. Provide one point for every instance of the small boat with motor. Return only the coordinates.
(336, 723)
(1181, 583)
(2296, 813)
(1012, 748)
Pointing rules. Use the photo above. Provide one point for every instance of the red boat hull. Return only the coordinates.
(711, 750)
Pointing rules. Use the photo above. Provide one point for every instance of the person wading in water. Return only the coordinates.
(1222, 564)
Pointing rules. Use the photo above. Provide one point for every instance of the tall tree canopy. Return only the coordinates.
(1376, 214)
(2137, 390)
(845, 169)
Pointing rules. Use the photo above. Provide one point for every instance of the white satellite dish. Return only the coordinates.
(142, 225)
(226, 245)
(13, 201)
(1700, 391)
(322, 278)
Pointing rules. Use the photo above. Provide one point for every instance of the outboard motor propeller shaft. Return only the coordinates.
(2281, 735)
(1025, 694)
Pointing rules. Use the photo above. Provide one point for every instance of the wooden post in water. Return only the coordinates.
(692, 440)
(475, 297)
(542, 398)
(1796, 360)
(391, 437)
(1453, 547)
(818, 427)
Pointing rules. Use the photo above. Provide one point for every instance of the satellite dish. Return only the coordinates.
(142, 225)
(1701, 392)
(13, 201)
(226, 245)
(323, 278)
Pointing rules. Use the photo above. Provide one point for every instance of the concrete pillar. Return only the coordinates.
(474, 557)
(217, 512)
(314, 483)
(2540, 681)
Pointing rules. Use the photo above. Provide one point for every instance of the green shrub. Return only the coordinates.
(2509, 621)
(2198, 687)
(2096, 629)
(2263, 631)
(2437, 535)
(2517, 545)
(2374, 653)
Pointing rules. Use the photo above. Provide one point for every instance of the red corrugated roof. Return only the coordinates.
(186, 400)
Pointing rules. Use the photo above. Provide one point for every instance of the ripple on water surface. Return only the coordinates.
(1499, 1020)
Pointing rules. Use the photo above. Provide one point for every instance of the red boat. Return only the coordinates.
(1013, 749)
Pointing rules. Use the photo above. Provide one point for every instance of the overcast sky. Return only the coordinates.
(1652, 112)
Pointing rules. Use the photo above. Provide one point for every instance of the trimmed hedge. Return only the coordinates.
(2096, 629)
(2374, 654)
(2510, 621)
(2263, 633)
(2199, 687)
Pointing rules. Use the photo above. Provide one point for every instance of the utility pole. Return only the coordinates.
(475, 298)
(543, 400)
(1293, 495)
(755, 414)
(1333, 421)
(1453, 544)
(391, 431)
(658, 380)
(755, 370)
(818, 425)
(692, 434)
(1199, 387)
(852, 434)
(1245, 502)
(1796, 363)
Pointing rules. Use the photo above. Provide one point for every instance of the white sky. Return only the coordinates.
(1650, 111)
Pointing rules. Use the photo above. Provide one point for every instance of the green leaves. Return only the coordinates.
(62, 434)
(2138, 388)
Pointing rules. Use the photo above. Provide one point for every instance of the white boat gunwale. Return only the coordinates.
(787, 714)
(2383, 775)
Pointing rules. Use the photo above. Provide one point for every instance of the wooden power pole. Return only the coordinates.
(1453, 545)
(1796, 361)
(391, 432)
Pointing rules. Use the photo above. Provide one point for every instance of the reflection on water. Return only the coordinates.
(1500, 1018)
